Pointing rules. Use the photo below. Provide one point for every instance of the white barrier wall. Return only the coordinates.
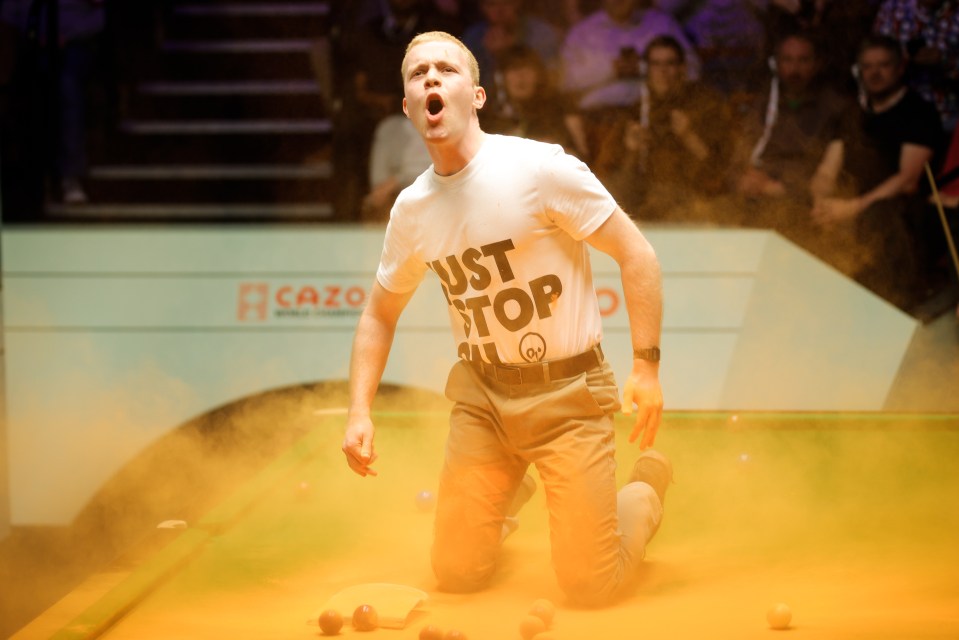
(115, 336)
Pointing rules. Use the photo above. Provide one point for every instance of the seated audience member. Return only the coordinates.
(940, 268)
(506, 24)
(81, 27)
(371, 88)
(785, 135)
(531, 108)
(866, 188)
(601, 59)
(675, 147)
(381, 42)
(948, 178)
(398, 157)
(929, 32)
(842, 23)
(730, 37)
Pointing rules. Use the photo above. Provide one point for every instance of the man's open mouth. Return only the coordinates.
(434, 106)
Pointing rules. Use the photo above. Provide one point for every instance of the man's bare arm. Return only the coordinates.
(371, 348)
(826, 178)
(642, 288)
(912, 159)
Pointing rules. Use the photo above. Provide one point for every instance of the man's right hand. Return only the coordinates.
(358, 445)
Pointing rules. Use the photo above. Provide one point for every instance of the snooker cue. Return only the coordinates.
(942, 218)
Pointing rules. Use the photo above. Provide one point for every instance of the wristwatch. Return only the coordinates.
(651, 354)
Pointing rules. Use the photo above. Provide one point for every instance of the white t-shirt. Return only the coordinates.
(504, 235)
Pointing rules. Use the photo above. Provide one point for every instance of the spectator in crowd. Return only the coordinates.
(948, 177)
(785, 135)
(506, 24)
(397, 158)
(840, 24)
(381, 42)
(730, 38)
(601, 53)
(365, 62)
(866, 188)
(676, 146)
(531, 107)
(929, 32)
(80, 24)
(940, 271)
(562, 13)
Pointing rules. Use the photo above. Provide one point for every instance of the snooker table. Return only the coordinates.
(850, 519)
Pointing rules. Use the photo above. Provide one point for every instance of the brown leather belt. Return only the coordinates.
(541, 372)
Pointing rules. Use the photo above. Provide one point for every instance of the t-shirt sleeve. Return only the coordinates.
(400, 270)
(575, 199)
(925, 127)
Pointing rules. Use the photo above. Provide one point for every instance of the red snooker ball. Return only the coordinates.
(331, 622)
(365, 618)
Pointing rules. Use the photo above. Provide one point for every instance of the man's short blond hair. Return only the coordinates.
(442, 36)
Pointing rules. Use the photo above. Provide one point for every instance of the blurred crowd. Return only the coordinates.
(821, 119)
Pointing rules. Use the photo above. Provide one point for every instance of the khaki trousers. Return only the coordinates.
(598, 536)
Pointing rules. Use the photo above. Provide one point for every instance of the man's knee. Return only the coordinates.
(460, 573)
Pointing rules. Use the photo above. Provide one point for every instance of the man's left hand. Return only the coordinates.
(643, 389)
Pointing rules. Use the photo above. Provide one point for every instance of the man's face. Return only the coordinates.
(665, 72)
(796, 64)
(880, 72)
(503, 13)
(439, 95)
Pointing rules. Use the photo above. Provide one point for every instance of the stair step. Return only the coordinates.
(192, 212)
(233, 62)
(211, 190)
(244, 20)
(137, 149)
(226, 127)
(256, 9)
(240, 88)
(223, 106)
(243, 46)
(322, 170)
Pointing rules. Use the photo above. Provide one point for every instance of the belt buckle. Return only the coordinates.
(545, 369)
(507, 375)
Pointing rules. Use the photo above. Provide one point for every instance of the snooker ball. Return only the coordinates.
(543, 609)
(430, 632)
(331, 622)
(779, 616)
(303, 490)
(425, 500)
(365, 618)
(530, 625)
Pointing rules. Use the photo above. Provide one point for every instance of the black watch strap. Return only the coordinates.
(652, 354)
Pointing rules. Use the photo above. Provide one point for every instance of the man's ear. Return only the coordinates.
(479, 97)
(405, 110)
